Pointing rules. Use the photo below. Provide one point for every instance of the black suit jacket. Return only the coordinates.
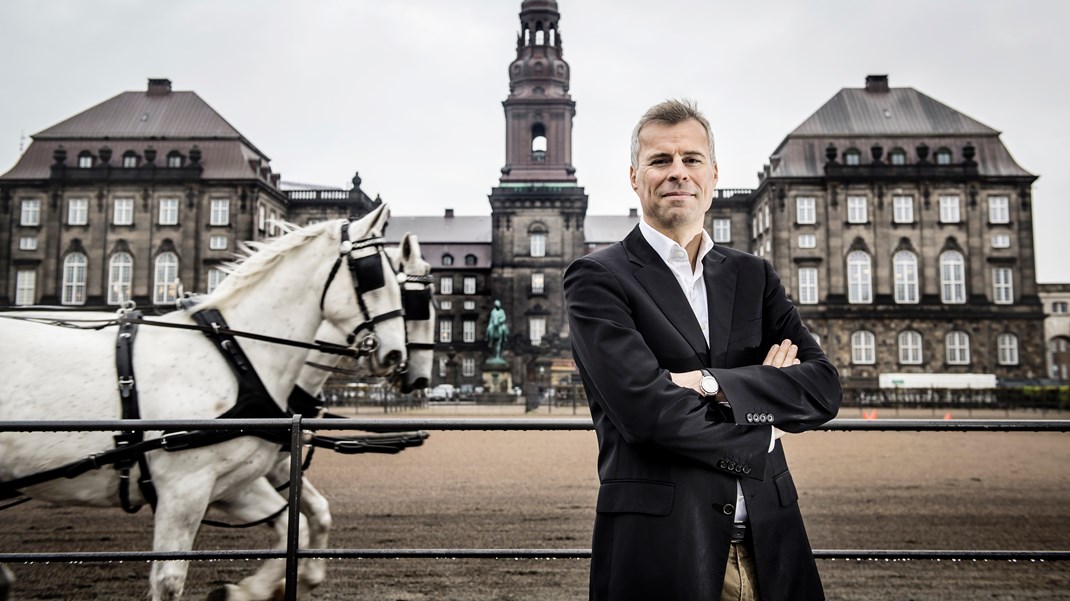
(668, 461)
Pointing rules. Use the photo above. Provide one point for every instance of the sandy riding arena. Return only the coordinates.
(984, 490)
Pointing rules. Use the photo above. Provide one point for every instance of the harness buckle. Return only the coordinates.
(126, 383)
(175, 441)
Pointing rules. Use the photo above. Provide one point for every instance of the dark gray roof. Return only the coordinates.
(439, 229)
(896, 112)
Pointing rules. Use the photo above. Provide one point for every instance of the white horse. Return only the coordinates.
(420, 331)
(286, 290)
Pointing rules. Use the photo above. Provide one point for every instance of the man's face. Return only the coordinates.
(675, 178)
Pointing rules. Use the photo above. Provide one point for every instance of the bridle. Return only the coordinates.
(368, 275)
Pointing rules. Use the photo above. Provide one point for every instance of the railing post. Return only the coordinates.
(293, 534)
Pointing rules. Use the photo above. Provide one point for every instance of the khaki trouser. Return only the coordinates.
(740, 580)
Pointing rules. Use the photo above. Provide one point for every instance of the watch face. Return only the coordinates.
(708, 384)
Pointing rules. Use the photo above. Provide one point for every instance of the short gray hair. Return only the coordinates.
(670, 112)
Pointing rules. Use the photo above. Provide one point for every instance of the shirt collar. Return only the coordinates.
(664, 245)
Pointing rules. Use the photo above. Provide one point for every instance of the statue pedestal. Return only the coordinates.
(497, 377)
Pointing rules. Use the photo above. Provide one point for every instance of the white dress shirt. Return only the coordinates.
(694, 288)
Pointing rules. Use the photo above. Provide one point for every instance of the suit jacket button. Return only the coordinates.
(763, 418)
(729, 509)
(746, 470)
(770, 417)
(750, 417)
(739, 468)
(723, 464)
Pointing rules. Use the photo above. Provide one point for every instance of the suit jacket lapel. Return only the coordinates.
(663, 288)
(720, 293)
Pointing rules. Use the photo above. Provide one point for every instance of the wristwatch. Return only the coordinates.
(708, 383)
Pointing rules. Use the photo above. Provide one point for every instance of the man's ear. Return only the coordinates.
(631, 177)
(715, 173)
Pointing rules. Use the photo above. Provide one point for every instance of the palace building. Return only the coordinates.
(901, 228)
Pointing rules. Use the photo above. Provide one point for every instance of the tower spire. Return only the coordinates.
(539, 110)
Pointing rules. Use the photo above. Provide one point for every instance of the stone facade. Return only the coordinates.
(1056, 301)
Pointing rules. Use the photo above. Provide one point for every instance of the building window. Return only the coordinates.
(905, 264)
(1002, 286)
(910, 348)
(536, 329)
(447, 260)
(761, 222)
(469, 284)
(722, 231)
(807, 241)
(273, 223)
(468, 367)
(538, 244)
(31, 212)
(261, 218)
(468, 330)
(1007, 349)
(74, 268)
(442, 367)
(470, 260)
(856, 209)
(217, 242)
(445, 305)
(903, 209)
(852, 156)
(952, 277)
(215, 277)
(807, 285)
(123, 213)
(129, 160)
(957, 344)
(25, 287)
(445, 285)
(174, 160)
(165, 287)
(78, 211)
(445, 330)
(168, 211)
(1059, 307)
(863, 348)
(120, 276)
(949, 209)
(469, 305)
(943, 156)
(999, 210)
(859, 279)
(28, 243)
(897, 156)
(538, 283)
(1001, 241)
(805, 211)
(85, 160)
(220, 212)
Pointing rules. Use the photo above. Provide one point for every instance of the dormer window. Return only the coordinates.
(447, 260)
(897, 156)
(174, 159)
(943, 157)
(129, 160)
(852, 156)
(85, 160)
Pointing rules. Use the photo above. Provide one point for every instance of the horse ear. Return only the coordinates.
(410, 247)
(379, 217)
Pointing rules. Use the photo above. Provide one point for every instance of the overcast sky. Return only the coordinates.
(409, 92)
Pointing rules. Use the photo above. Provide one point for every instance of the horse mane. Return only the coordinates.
(255, 258)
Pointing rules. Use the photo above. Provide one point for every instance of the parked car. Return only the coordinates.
(442, 392)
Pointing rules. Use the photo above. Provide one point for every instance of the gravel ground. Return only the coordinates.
(902, 490)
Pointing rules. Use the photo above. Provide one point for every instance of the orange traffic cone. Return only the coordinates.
(869, 414)
(947, 415)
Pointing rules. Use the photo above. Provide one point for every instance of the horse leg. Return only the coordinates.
(178, 517)
(6, 580)
(255, 502)
(317, 513)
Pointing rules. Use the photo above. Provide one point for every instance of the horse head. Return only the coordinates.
(419, 312)
(379, 330)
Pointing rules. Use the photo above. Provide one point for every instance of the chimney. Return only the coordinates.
(449, 213)
(159, 87)
(633, 213)
(876, 83)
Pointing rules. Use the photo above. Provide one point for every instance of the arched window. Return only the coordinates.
(957, 348)
(120, 275)
(943, 156)
(906, 277)
(165, 288)
(952, 277)
(897, 156)
(470, 260)
(538, 143)
(540, 36)
(863, 348)
(909, 347)
(852, 156)
(537, 240)
(74, 268)
(859, 278)
(1007, 349)
(447, 260)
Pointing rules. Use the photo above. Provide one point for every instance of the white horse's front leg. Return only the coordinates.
(317, 513)
(255, 502)
(178, 517)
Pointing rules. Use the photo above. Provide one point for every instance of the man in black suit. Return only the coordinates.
(695, 363)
